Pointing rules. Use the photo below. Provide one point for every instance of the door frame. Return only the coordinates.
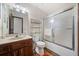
(78, 29)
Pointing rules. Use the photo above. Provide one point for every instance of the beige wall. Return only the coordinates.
(35, 12)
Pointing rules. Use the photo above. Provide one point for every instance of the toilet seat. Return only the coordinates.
(40, 44)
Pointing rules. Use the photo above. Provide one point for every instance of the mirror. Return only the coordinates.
(15, 25)
(14, 20)
(59, 29)
(5, 19)
(0, 23)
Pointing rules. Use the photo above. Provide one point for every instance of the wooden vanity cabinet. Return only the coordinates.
(19, 48)
(4, 50)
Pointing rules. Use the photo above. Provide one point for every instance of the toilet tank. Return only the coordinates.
(36, 38)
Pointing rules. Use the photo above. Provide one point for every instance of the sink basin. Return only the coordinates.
(9, 37)
(13, 37)
(17, 37)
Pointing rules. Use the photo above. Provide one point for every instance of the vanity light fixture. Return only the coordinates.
(20, 9)
(23, 10)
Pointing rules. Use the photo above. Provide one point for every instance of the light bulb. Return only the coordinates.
(17, 6)
(23, 11)
(51, 21)
(17, 9)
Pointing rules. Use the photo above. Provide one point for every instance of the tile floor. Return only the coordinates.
(46, 53)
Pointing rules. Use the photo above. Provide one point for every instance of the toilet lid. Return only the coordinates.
(40, 43)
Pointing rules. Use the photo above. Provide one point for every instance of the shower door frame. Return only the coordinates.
(78, 29)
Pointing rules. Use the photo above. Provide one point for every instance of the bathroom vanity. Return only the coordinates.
(16, 47)
(14, 24)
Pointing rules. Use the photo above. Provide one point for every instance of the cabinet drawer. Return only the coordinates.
(28, 42)
(4, 49)
(17, 45)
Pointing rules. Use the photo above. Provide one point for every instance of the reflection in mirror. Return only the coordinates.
(59, 29)
(5, 19)
(15, 25)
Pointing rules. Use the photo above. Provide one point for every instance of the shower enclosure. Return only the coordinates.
(59, 29)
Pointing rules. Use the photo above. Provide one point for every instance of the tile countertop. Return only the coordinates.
(5, 41)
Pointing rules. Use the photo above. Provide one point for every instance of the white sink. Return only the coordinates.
(9, 37)
(13, 37)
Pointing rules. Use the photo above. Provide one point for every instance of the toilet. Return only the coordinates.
(39, 48)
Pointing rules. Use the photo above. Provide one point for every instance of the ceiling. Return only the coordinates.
(52, 7)
(45, 9)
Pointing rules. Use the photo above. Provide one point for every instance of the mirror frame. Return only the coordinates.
(11, 18)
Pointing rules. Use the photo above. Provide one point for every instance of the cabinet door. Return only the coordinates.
(28, 51)
(15, 53)
(18, 52)
(4, 50)
(5, 54)
(21, 52)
